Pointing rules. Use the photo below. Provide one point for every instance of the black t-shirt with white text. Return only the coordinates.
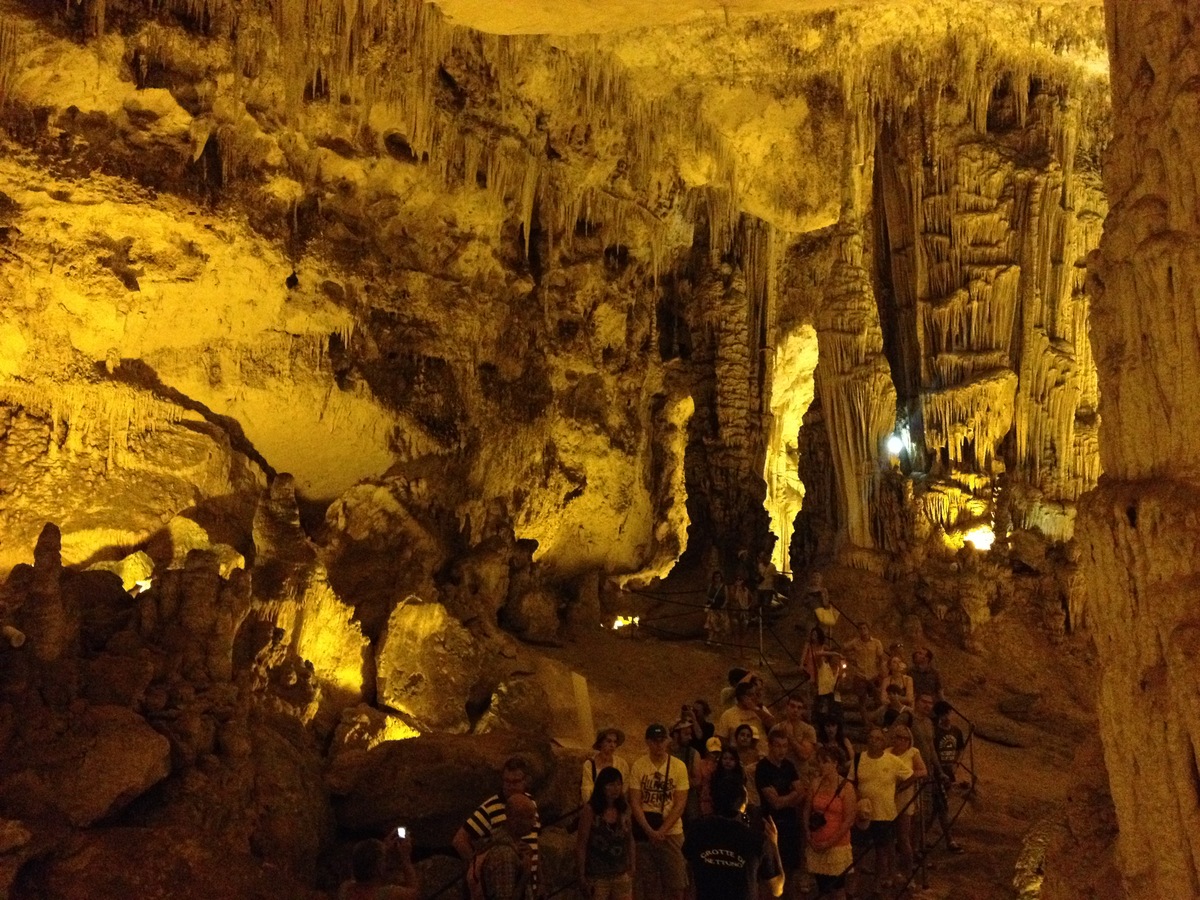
(949, 744)
(728, 859)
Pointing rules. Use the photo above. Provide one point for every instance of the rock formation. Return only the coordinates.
(1139, 532)
(352, 349)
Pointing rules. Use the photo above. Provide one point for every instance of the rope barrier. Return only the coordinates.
(651, 593)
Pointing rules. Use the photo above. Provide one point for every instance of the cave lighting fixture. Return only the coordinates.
(981, 537)
(622, 621)
(899, 441)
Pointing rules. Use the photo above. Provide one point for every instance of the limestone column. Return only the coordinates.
(855, 386)
(1140, 530)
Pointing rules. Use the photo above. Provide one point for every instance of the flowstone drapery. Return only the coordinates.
(854, 384)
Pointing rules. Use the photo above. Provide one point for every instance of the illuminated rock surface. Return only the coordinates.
(387, 333)
(1140, 530)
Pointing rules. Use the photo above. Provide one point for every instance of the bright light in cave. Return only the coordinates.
(900, 441)
(622, 621)
(396, 730)
(981, 537)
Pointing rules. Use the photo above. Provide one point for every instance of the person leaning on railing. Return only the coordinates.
(949, 742)
(906, 797)
(925, 738)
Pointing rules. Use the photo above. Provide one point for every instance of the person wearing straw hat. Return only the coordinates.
(604, 756)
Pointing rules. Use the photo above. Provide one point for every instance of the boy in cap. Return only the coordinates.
(658, 793)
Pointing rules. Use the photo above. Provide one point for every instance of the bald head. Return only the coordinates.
(520, 814)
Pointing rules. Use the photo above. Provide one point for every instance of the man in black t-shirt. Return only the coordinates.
(728, 858)
(948, 743)
(947, 740)
(782, 795)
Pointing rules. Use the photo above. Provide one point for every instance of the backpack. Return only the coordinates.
(476, 886)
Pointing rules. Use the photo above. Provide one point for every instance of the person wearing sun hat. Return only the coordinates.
(604, 755)
(703, 773)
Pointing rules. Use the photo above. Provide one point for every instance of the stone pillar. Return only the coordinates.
(1140, 530)
(855, 386)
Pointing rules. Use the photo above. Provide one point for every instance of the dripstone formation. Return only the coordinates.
(355, 350)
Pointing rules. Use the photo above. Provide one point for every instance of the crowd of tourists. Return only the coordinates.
(758, 800)
(777, 803)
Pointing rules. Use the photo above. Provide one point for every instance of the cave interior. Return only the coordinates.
(364, 365)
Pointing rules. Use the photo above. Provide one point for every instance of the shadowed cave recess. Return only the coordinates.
(373, 361)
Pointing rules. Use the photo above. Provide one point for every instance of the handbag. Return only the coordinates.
(816, 818)
(653, 819)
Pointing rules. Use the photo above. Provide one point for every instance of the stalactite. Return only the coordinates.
(985, 253)
(8, 57)
(118, 405)
(979, 412)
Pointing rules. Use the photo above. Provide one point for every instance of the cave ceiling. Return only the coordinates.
(564, 17)
(437, 245)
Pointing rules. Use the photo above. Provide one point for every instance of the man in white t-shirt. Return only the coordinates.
(868, 663)
(748, 709)
(657, 797)
(802, 737)
(880, 774)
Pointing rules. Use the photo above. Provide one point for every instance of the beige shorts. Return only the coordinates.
(617, 887)
(663, 861)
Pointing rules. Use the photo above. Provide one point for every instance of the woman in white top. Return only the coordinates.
(906, 804)
(605, 755)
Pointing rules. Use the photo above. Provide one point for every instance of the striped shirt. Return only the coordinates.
(489, 815)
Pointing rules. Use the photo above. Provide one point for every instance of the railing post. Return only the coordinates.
(920, 850)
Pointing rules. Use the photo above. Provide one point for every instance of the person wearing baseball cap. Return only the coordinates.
(658, 793)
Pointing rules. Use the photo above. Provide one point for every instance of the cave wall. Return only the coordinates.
(443, 257)
(987, 202)
(355, 270)
(1139, 532)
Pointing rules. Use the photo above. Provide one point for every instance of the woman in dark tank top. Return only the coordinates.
(604, 843)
